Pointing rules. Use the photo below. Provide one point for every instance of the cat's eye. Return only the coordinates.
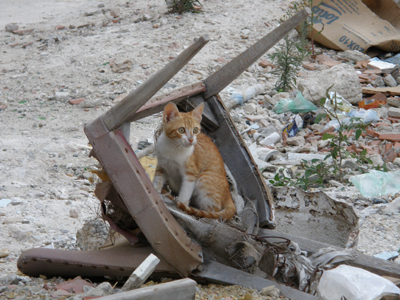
(181, 130)
(196, 130)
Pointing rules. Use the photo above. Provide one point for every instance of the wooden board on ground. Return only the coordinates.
(183, 289)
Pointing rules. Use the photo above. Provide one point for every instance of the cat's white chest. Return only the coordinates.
(171, 157)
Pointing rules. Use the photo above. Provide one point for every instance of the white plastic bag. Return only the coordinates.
(354, 284)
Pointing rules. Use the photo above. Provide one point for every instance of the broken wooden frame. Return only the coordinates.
(178, 253)
(129, 178)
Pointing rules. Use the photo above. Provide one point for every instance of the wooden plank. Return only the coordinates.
(229, 72)
(142, 200)
(366, 262)
(124, 110)
(240, 162)
(157, 103)
(213, 272)
(183, 289)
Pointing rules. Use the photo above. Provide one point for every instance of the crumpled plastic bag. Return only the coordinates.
(298, 105)
(377, 183)
(353, 283)
(366, 117)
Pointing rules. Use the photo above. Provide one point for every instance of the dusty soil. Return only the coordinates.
(44, 159)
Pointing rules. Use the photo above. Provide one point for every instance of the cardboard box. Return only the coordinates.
(357, 25)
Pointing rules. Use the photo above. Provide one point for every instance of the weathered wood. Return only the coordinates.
(140, 275)
(229, 72)
(142, 200)
(157, 103)
(183, 289)
(366, 262)
(125, 110)
(213, 272)
(240, 162)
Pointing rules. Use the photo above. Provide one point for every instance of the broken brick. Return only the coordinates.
(23, 31)
(388, 146)
(310, 66)
(265, 63)
(76, 101)
(389, 156)
(59, 27)
(391, 136)
(330, 64)
(372, 133)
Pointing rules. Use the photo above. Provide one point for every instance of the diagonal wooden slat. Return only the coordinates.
(125, 110)
(229, 72)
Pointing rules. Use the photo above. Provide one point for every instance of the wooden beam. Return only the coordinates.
(157, 103)
(183, 289)
(124, 110)
(375, 265)
(224, 76)
(213, 272)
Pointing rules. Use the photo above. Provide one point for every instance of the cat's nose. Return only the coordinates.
(190, 140)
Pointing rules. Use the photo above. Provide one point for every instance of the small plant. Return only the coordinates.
(317, 173)
(181, 6)
(288, 60)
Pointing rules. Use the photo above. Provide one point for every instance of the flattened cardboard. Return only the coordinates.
(352, 25)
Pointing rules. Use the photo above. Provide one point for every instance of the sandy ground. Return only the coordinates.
(43, 151)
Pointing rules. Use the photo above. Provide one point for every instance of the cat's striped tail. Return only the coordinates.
(225, 214)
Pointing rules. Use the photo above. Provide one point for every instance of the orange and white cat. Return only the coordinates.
(192, 166)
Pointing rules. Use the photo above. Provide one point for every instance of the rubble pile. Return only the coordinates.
(58, 75)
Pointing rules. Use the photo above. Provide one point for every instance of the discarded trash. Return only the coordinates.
(356, 27)
(308, 119)
(373, 102)
(140, 275)
(377, 183)
(351, 283)
(366, 116)
(340, 109)
(298, 105)
(294, 127)
(271, 139)
(243, 96)
(387, 255)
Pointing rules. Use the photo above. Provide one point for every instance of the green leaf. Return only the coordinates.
(308, 173)
(41, 118)
(315, 160)
(323, 100)
(271, 181)
(358, 133)
(328, 136)
(364, 152)
(22, 102)
(319, 117)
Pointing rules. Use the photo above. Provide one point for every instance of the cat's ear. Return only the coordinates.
(198, 111)
(170, 112)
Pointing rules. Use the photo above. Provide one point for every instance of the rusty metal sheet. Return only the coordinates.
(142, 200)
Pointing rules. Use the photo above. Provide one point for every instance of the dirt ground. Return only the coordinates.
(44, 159)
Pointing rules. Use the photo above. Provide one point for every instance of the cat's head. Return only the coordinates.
(182, 127)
